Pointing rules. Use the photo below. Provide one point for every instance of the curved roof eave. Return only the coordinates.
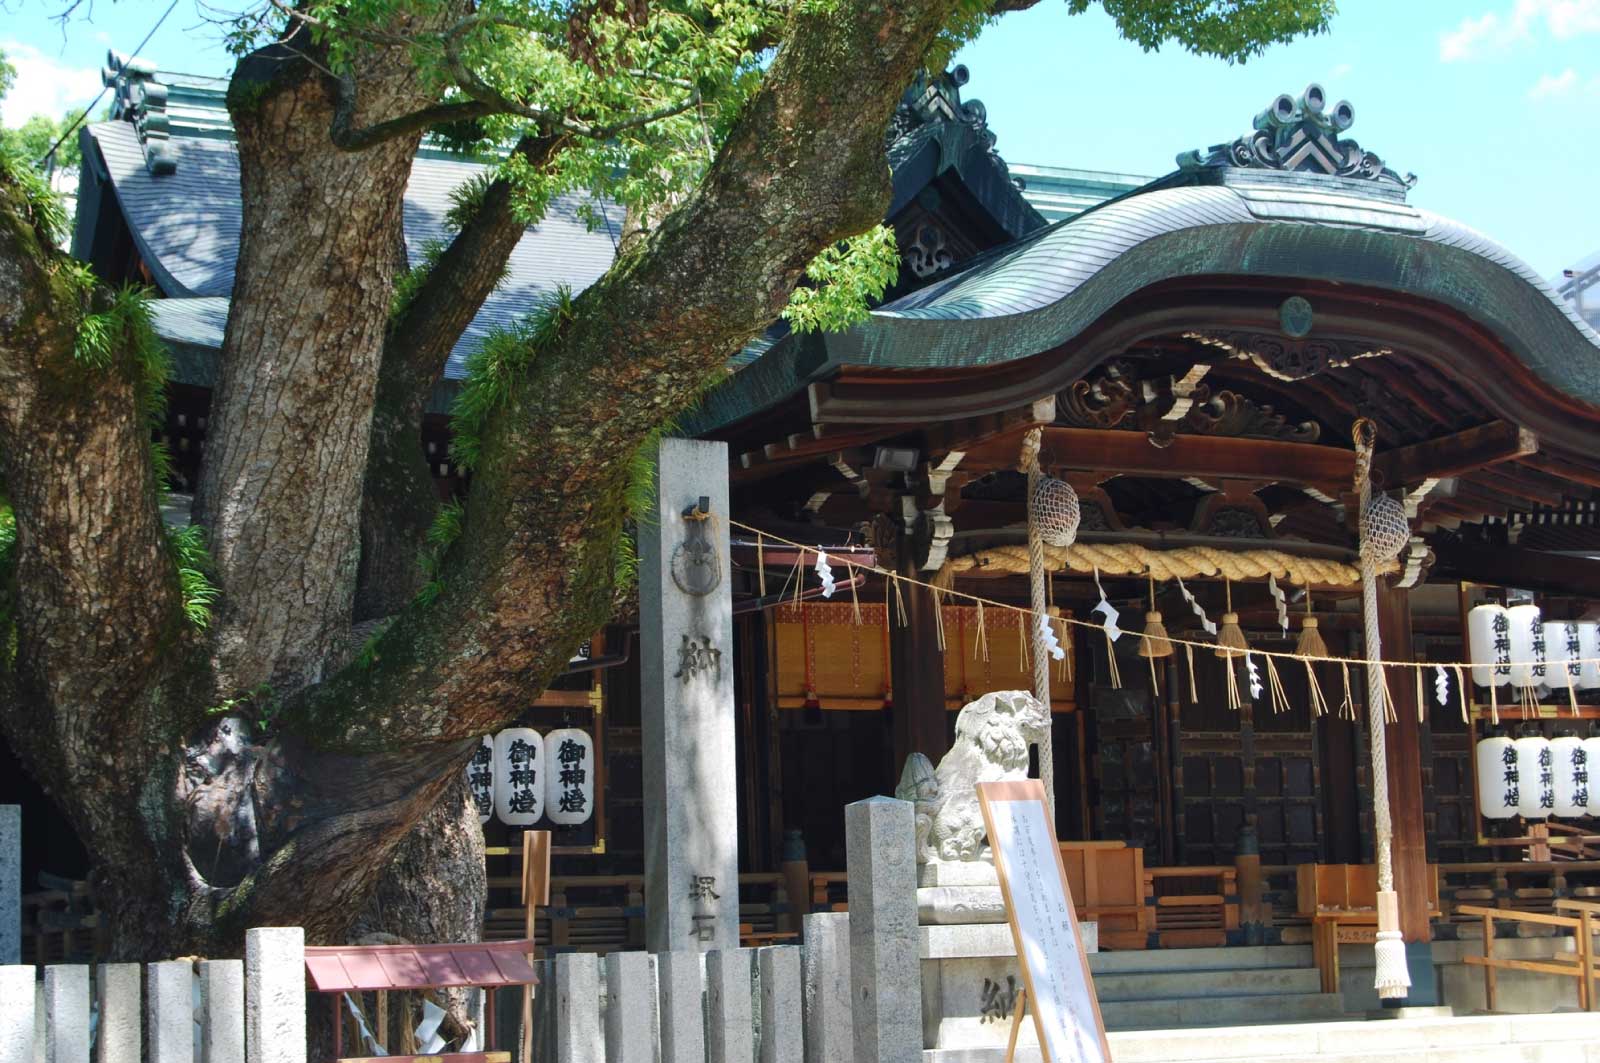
(1048, 288)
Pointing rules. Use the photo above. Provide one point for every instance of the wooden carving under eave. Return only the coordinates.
(1164, 406)
(1234, 512)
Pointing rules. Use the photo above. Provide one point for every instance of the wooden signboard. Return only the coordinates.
(1058, 987)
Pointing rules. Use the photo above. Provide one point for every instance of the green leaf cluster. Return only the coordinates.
(844, 280)
(496, 369)
(1234, 30)
(442, 534)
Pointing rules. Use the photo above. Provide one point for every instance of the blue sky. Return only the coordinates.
(1494, 104)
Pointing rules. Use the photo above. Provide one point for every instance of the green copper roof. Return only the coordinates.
(1045, 289)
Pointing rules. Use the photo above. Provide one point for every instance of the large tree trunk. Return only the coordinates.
(202, 820)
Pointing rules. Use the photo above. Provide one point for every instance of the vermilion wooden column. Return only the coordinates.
(1410, 848)
(917, 668)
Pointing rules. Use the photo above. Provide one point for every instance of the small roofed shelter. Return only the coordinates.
(1196, 353)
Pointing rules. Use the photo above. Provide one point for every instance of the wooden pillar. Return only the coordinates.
(917, 669)
(1410, 847)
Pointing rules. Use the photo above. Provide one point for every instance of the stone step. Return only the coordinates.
(1560, 1038)
(1240, 957)
(1220, 1011)
(1242, 982)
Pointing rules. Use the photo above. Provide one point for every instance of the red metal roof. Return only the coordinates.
(352, 968)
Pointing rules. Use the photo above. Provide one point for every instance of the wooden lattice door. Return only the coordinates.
(1251, 766)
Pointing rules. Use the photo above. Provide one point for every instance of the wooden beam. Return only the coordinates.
(1453, 455)
(1115, 452)
(1514, 566)
(1566, 470)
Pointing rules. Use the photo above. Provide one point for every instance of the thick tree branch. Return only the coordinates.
(803, 168)
(98, 611)
(398, 500)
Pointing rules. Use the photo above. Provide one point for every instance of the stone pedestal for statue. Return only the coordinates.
(970, 975)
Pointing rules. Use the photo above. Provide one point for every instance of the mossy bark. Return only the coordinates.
(201, 824)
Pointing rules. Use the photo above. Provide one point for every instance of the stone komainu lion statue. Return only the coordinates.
(992, 739)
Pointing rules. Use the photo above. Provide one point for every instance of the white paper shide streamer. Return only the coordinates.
(1206, 622)
(1047, 638)
(1106, 609)
(825, 574)
(1282, 602)
(518, 776)
(1255, 676)
(1441, 685)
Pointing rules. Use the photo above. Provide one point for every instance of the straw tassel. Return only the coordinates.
(1319, 704)
(1111, 663)
(1156, 642)
(1280, 698)
(1347, 710)
(1194, 693)
(1311, 643)
(855, 602)
(980, 645)
(1461, 691)
(1231, 641)
(1422, 702)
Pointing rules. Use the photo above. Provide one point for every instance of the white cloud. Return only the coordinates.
(1553, 85)
(44, 85)
(1470, 39)
(1491, 32)
(1563, 18)
(1340, 72)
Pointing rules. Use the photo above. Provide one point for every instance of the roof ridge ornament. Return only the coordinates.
(1300, 136)
(140, 99)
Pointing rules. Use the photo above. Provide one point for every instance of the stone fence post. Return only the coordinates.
(885, 968)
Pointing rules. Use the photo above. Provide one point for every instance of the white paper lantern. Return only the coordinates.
(1591, 760)
(1536, 789)
(1589, 652)
(1489, 639)
(480, 778)
(1570, 764)
(1561, 654)
(518, 776)
(1527, 646)
(1498, 778)
(569, 794)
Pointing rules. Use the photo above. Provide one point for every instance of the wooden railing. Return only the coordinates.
(1581, 926)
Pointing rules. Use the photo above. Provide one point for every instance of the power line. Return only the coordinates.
(51, 154)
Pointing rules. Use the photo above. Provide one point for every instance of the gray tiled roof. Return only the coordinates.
(1043, 290)
(186, 225)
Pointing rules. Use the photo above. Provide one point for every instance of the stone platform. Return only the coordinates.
(1558, 1038)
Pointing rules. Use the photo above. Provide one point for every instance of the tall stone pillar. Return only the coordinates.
(691, 853)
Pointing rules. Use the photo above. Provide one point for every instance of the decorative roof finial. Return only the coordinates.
(142, 100)
(1300, 136)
